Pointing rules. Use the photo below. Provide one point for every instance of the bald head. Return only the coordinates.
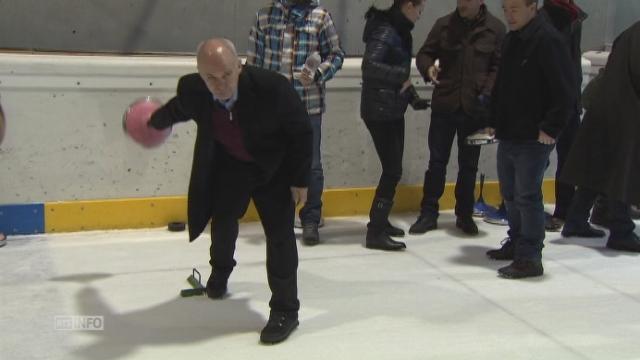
(219, 66)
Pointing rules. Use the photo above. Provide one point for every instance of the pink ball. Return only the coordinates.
(135, 121)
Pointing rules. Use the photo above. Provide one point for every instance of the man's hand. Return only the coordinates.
(305, 78)
(490, 131)
(299, 195)
(405, 86)
(433, 72)
(543, 138)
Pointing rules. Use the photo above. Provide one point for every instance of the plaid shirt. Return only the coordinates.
(283, 38)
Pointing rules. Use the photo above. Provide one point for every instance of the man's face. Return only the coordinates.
(469, 9)
(221, 77)
(518, 13)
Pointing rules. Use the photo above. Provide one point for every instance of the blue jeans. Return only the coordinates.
(312, 210)
(521, 167)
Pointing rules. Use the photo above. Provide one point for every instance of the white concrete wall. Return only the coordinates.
(65, 141)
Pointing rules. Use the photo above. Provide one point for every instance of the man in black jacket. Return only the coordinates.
(253, 142)
(533, 99)
(467, 44)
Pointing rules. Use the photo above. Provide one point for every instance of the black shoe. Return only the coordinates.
(216, 288)
(588, 232)
(506, 252)
(552, 223)
(520, 269)
(629, 243)
(423, 224)
(382, 241)
(599, 216)
(393, 231)
(279, 327)
(310, 235)
(467, 225)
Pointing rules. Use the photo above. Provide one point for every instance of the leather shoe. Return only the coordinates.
(280, 325)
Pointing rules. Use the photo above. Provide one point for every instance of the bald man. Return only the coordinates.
(254, 141)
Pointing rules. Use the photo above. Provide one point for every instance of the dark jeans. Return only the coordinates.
(235, 184)
(564, 192)
(442, 131)
(618, 214)
(312, 210)
(388, 139)
(521, 167)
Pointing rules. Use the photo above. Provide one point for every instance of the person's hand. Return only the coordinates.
(299, 195)
(490, 131)
(543, 138)
(405, 86)
(305, 78)
(433, 72)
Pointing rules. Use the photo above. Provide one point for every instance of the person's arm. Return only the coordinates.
(180, 107)
(298, 133)
(634, 61)
(255, 50)
(373, 66)
(428, 53)
(558, 77)
(494, 64)
(330, 50)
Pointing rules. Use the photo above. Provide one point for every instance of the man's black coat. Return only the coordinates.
(275, 126)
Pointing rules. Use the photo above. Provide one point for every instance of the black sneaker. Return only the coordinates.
(310, 235)
(629, 243)
(520, 269)
(588, 232)
(552, 223)
(423, 224)
(506, 252)
(467, 225)
(280, 325)
(216, 288)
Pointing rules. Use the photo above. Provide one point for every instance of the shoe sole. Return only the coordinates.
(511, 277)
(424, 232)
(285, 337)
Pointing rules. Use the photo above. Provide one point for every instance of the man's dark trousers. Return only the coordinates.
(235, 183)
(521, 167)
(442, 131)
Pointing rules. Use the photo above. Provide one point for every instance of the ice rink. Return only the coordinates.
(439, 299)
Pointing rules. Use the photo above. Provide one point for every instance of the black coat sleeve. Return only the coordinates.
(373, 61)
(298, 133)
(181, 107)
(559, 78)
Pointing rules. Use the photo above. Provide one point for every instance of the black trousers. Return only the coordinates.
(388, 139)
(620, 222)
(235, 183)
(565, 192)
(442, 131)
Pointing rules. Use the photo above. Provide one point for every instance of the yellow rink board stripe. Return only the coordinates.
(159, 211)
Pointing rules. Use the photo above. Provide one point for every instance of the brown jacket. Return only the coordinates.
(469, 54)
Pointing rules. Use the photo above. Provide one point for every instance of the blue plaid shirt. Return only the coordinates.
(282, 39)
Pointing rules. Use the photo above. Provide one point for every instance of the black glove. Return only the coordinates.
(415, 101)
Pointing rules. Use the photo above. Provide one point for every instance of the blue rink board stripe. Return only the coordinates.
(24, 219)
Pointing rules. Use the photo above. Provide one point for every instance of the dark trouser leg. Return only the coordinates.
(312, 210)
(565, 192)
(578, 216)
(468, 157)
(507, 179)
(388, 139)
(232, 186)
(276, 209)
(441, 133)
(530, 161)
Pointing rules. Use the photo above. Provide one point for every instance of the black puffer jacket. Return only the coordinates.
(386, 65)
